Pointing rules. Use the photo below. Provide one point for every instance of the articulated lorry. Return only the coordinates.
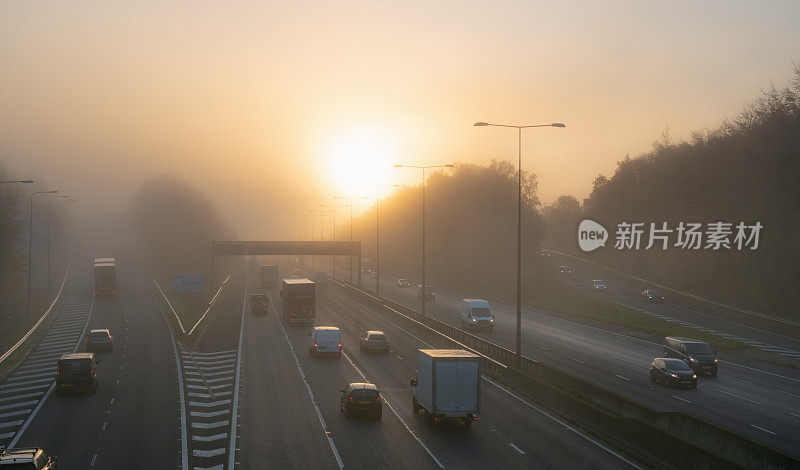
(299, 301)
(448, 385)
(269, 275)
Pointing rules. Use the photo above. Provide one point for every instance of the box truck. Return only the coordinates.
(447, 386)
(299, 302)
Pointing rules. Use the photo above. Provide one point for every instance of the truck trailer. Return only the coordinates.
(447, 386)
(299, 301)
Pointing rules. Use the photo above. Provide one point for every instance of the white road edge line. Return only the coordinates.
(235, 404)
(681, 399)
(765, 430)
(308, 388)
(184, 443)
(396, 414)
(597, 443)
(52, 386)
(516, 448)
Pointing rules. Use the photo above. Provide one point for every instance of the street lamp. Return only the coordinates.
(423, 168)
(50, 234)
(30, 254)
(351, 199)
(321, 230)
(377, 237)
(334, 229)
(519, 223)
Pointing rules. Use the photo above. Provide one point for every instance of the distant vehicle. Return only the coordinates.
(321, 279)
(77, 372)
(325, 340)
(105, 277)
(672, 372)
(374, 341)
(259, 304)
(700, 356)
(447, 386)
(476, 314)
(564, 271)
(26, 459)
(598, 285)
(299, 300)
(430, 293)
(99, 340)
(544, 253)
(361, 398)
(653, 296)
(403, 283)
(269, 275)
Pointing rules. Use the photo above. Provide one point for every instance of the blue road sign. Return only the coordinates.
(188, 282)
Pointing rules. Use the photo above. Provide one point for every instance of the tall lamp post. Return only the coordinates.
(519, 222)
(351, 199)
(30, 254)
(321, 230)
(50, 227)
(423, 168)
(333, 211)
(377, 236)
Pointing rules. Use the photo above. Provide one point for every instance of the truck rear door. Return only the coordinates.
(456, 387)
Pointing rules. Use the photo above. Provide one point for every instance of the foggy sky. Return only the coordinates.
(246, 99)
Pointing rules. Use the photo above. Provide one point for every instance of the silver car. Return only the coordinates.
(374, 341)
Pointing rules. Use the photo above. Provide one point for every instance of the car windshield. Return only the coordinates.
(74, 363)
(362, 393)
(377, 337)
(699, 348)
(98, 335)
(676, 364)
(481, 312)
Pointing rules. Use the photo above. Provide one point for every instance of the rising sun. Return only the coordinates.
(361, 157)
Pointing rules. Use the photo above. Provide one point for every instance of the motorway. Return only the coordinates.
(248, 395)
(760, 401)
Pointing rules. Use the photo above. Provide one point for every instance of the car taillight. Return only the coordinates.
(91, 370)
(58, 372)
(474, 418)
(378, 399)
(351, 398)
(366, 341)
(386, 341)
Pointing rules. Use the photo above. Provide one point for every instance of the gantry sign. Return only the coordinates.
(230, 248)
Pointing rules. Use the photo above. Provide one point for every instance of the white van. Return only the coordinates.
(476, 314)
(325, 340)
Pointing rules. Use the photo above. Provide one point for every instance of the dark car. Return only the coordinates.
(259, 304)
(700, 356)
(26, 459)
(77, 372)
(361, 398)
(99, 340)
(430, 293)
(564, 271)
(598, 285)
(653, 296)
(374, 341)
(403, 283)
(672, 372)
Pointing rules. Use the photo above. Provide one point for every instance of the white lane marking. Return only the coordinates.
(738, 396)
(794, 414)
(15, 413)
(542, 347)
(19, 397)
(94, 457)
(597, 443)
(112, 400)
(215, 424)
(215, 437)
(623, 378)
(681, 399)
(516, 448)
(208, 453)
(235, 405)
(787, 393)
(396, 414)
(184, 442)
(18, 404)
(209, 404)
(765, 430)
(214, 353)
(104, 425)
(398, 356)
(9, 424)
(308, 388)
(576, 360)
(209, 414)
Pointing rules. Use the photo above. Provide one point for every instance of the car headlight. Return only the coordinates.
(673, 374)
(715, 361)
(474, 320)
(694, 376)
(693, 359)
(491, 320)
